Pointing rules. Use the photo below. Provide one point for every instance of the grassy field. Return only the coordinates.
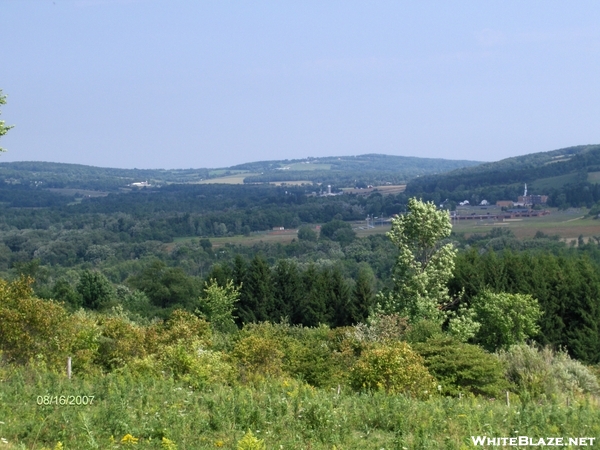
(569, 224)
(391, 189)
(594, 177)
(291, 183)
(237, 178)
(84, 192)
(154, 413)
(543, 184)
(217, 172)
(309, 166)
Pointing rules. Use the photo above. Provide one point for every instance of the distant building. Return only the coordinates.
(505, 203)
(533, 199)
(141, 184)
(278, 228)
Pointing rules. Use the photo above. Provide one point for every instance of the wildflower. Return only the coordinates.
(168, 444)
(128, 439)
(251, 442)
(219, 444)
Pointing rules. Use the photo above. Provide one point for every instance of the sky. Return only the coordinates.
(191, 84)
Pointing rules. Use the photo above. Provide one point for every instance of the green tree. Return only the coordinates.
(312, 310)
(306, 233)
(338, 230)
(424, 264)
(506, 319)
(362, 294)
(3, 128)
(338, 299)
(95, 289)
(64, 292)
(217, 304)
(165, 286)
(256, 295)
(287, 285)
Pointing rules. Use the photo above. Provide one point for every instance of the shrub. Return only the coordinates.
(543, 373)
(394, 368)
(461, 367)
(181, 327)
(121, 341)
(31, 327)
(383, 328)
(258, 358)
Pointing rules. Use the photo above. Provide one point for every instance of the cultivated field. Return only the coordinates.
(569, 224)
(237, 178)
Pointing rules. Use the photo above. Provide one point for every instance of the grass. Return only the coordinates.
(286, 414)
(567, 224)
(309, 166)
(594, 177)
(237, 178)
(544, 184)
(291, 183)
(216, 172)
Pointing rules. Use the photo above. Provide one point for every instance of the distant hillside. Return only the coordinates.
(571, 172)
(342, 171)
(347, 171)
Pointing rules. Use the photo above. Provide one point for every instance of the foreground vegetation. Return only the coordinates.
(162, 413)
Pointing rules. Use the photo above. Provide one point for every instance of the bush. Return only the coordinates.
(32, 328)
(460, 367)
(383, 328)
(258, 358)
(538, 373)
(394, 368)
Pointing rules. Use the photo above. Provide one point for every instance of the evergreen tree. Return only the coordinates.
(313, 308)
(287, 285)
(339, 301)
(256, 296)
(362, 295)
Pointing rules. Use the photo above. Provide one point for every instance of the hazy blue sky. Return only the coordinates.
(179, 84)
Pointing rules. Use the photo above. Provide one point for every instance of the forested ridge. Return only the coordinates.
(561, 174)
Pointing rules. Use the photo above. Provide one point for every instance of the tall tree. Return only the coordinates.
(95, 289)
(287, 285)
(256, 299)
(3, 128)
(339, 301)
(362, 295)
(424, 264)
(313, 308)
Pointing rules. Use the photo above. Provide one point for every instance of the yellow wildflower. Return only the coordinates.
(129, 440)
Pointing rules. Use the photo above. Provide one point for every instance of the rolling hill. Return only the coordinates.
(572, 172)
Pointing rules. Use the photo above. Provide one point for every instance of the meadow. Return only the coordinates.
(152, 413)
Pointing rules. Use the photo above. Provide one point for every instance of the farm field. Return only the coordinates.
(392, 189)
(237, 178)
(569, 224)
